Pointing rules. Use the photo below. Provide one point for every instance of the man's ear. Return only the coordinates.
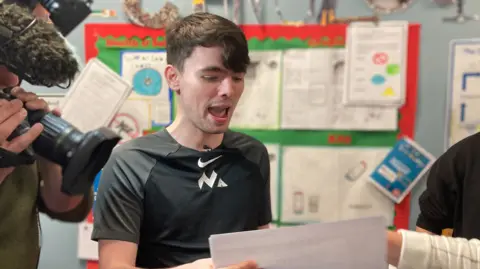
(172, 76)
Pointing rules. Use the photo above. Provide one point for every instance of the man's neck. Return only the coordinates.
(187, 135)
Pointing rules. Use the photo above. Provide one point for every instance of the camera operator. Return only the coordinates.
(29, 189)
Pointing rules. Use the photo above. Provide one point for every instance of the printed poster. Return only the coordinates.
(401, 169)
(144, 69)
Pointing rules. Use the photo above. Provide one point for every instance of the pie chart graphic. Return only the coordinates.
(147, 81)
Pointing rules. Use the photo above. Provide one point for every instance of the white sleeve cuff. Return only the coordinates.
(416, 248)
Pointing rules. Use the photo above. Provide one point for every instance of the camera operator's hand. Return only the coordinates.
(32, 101)
(12, 114)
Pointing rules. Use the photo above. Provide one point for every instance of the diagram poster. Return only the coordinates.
(334, 184)
(463, 99)
(108, 41)
(401, 169)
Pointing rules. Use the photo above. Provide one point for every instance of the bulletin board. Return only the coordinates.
(108, 41)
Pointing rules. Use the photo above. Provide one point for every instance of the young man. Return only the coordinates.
(162, 195)
(27, 190)
(453, 186)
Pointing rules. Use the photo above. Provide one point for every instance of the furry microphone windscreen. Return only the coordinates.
(40, 52)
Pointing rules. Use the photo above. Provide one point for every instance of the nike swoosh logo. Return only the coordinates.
(203, 164)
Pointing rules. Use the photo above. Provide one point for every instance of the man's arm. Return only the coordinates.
(438, 200)
(409, 249)
(116, 254)
(118, 211)
(265, 205)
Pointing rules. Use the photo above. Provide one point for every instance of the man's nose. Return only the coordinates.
(226, 87)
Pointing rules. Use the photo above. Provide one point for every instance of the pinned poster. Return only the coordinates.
(401, 169)
(463, 92)
(144, 69)
(376, 64)
(53, 100)
(274, 158)
(321, 184)
(262, 82)
(132, 119)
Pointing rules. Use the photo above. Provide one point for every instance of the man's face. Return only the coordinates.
(7, 78)
(208, 92)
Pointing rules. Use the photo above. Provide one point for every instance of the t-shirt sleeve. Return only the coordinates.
(438, 200)
(118, 208)
(265, 212)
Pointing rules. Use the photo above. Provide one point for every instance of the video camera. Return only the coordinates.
(81, 155)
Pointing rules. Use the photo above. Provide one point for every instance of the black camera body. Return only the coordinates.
(81, 155)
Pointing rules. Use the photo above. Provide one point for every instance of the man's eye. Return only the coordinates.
(210, 78)
(238, 79)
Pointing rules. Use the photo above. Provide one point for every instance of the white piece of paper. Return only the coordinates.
(274, 156)
(95, 96)
(331, 184)
(359, 243)
(376, 63)
(463, 91)
(87, 248)
(359, 117)
(307, 77)
(258, 106)
(144, 69)
(300, 111)
(53, 100)
(132, 119)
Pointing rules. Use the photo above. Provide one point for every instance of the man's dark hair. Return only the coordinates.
(207, 30)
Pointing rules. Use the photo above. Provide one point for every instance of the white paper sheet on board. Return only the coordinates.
(53, 100)
(258, 107)
(95, 96)
(463, 91)
(319, 105)
(274, 156)
(376, 63)
(87, 248)
(132, 119)
(331, 184)
(144, 69)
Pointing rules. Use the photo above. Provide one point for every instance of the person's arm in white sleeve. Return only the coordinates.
(413, 250)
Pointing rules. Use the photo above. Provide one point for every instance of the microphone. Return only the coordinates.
(207, 148)
(33, 49)
(36, 52)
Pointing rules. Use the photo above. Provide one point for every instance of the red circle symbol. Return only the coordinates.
(126, 126)
(380, 58)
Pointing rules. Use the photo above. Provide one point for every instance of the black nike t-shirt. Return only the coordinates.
(169, 199)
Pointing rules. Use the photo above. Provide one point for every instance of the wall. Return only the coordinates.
(60, 239)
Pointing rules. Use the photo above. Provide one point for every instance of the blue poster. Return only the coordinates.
(401, 169)
(95, 188)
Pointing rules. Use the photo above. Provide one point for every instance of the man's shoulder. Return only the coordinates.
(247, 144)
(157, 144)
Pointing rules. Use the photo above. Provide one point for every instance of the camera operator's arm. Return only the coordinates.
(54, 202)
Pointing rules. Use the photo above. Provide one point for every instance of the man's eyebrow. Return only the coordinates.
(213, 68)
